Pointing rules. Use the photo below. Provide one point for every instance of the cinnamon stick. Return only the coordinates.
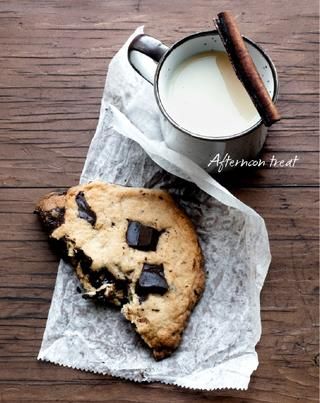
(245, 68)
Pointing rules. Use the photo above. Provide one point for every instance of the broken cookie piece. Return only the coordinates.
(140, 252)
(51, 211)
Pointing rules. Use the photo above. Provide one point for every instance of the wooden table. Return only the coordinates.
(53, 58)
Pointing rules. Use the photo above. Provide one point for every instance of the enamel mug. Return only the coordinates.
(154, 62)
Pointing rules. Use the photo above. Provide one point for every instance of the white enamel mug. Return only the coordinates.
(155, 62)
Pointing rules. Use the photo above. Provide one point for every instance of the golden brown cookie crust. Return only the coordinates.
(159, 319)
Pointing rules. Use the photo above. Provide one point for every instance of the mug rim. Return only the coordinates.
(197, 135)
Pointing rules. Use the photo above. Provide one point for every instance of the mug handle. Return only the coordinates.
(144, 53)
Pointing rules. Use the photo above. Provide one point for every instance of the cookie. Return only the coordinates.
(133, 248)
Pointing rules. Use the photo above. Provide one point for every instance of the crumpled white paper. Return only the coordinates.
(218, 346)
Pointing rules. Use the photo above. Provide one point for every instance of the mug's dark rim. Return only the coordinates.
(197, 135)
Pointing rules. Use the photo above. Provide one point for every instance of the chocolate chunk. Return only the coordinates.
(59, 246)
(151, 280)
(102, 277)
(141, 237)
(84, 260)
(98, 278)
(84, 210)
(51, 219)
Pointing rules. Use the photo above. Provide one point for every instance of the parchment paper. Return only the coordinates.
(218, 346)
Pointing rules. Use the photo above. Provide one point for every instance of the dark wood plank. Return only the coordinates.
(288, 347)
(289, 213)
(53, 80)
(61, 164)
(287, 350)
(53, 59)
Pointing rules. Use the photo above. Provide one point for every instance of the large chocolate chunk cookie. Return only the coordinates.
(133, 248)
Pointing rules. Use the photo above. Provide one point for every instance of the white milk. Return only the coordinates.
(204, 96)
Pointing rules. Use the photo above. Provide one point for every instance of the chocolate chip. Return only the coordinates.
(51, 219)
(59, 246)
(98, 278)
(95, 279)
(84, 210)
(84, 260)
(151, 280)
(142, 237)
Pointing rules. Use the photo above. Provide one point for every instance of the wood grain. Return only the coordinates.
(54, 56)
